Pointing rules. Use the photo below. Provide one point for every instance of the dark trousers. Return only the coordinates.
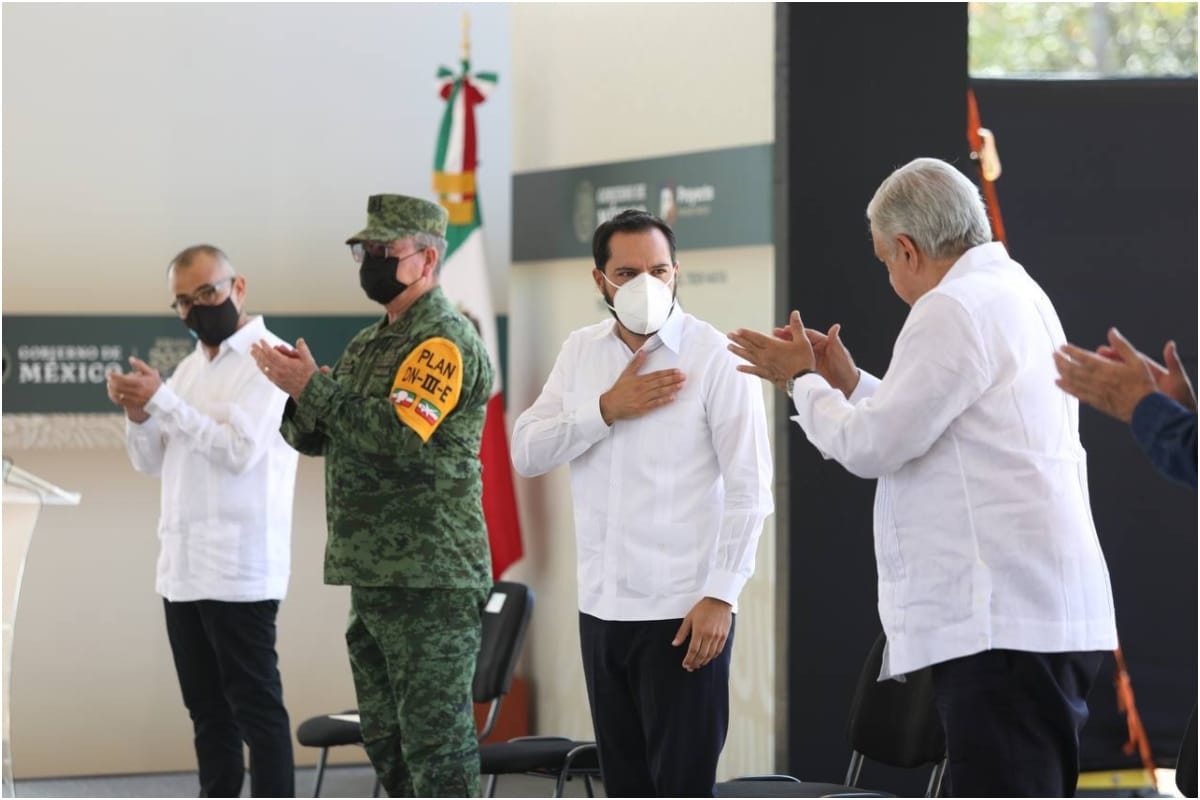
(659, 728)
(229, 674)
(1012, 721)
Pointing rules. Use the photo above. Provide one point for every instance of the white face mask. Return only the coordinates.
(643, 304)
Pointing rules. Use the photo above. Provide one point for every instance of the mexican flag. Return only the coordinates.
(464, 279)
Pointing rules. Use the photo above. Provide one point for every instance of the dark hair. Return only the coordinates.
(632, 220)
(186, 256)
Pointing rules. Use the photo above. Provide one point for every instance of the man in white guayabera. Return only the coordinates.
(989, 565)
(210, 432)
(671, 477)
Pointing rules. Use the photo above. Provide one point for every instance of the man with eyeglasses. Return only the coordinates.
(399, 420)
(210, 432)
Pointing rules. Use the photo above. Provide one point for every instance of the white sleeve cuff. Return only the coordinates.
(803, 385)
(589, 422)
(164, 401)
(141, 430)
(804, 392)
(724, 585)
(867, 384)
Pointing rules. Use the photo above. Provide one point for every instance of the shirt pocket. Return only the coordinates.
(214, 550)
(672, 453)
(683, 425)
(664, 560)
(888, 555)
(891, 601)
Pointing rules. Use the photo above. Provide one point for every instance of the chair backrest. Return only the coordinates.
(893, 722)
(505, 620)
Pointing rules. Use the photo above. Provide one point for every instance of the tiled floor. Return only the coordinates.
(357, 781)
(340, 781)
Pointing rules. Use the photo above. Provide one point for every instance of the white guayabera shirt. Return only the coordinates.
(228, 476)
(983, 528)
(669, 506)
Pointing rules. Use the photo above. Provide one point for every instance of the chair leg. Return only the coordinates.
(489, 790)
(564, 774)
(320, 776)
(587, 784)
(375, 788)
(856, 763)
(935, 780)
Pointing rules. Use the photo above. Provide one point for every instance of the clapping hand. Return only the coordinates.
(289, 369)
(777, 358)
(134, 389)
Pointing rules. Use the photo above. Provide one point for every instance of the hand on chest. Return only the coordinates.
(598, 374)
(677, 429)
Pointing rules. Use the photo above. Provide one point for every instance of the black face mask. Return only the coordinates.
(213, 324)
(377, 276)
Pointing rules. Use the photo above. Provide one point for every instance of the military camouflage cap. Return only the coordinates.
(394, 216)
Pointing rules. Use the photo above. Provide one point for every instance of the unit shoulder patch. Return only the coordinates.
(427, 385)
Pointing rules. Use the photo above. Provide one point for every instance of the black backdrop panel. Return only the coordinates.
(871, 87)
(1099, 201)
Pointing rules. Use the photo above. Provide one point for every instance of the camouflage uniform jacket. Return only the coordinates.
(403, 488)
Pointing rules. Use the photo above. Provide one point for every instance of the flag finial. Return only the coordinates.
(466, 44)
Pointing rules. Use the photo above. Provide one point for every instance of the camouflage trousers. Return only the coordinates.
(413, 653)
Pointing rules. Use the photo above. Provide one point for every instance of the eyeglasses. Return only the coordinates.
(359, 250)
(204, 296)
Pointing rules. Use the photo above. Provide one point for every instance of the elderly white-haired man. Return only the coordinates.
(989, 566)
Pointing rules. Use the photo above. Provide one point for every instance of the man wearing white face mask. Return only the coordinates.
(671, 476)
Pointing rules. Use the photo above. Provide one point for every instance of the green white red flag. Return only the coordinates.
(464, 279)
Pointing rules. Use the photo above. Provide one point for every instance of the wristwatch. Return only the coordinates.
(791, 382)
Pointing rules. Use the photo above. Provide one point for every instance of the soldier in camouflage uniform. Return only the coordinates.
(399, 420)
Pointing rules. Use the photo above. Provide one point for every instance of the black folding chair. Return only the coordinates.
(892, 722)
(331, 730)
(546, 756)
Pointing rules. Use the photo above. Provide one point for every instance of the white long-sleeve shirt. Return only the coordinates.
(668, 506)
(228, 476)
(983, 529)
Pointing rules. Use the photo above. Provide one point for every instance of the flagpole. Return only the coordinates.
(466, 43)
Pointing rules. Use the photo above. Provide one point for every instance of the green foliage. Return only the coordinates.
(1085, 39)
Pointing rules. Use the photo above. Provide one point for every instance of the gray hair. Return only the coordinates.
(438, 243)
(935, 205)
